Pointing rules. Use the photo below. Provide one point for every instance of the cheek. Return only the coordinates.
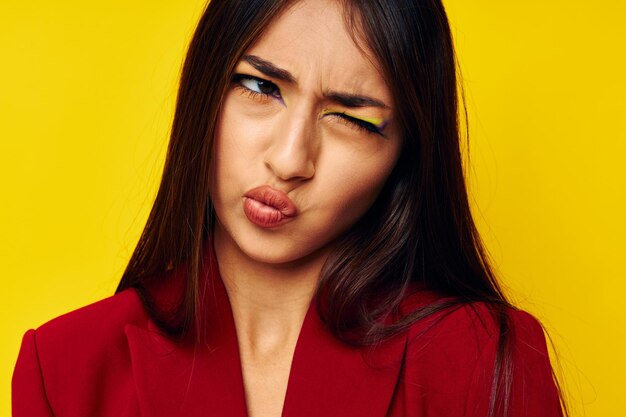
(238, 141)
(226, 163)
(352, 184)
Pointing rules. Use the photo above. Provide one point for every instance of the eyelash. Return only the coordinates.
(360, 125)
(238, 78)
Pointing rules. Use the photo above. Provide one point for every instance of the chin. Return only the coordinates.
(291, 244)
(284, 252)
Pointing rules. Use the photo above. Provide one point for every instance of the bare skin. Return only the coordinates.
(295, 140)
(269, 305)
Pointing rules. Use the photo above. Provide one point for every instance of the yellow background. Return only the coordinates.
(86, 99)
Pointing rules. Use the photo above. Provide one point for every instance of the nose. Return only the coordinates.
(293, 149)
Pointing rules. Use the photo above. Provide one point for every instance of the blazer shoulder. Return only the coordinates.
(95, 326)
(452, 354)
(477, 322)
(70, 362)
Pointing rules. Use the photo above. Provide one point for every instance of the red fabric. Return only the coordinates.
(109, 359)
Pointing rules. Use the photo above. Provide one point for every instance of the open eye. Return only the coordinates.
(255, 85)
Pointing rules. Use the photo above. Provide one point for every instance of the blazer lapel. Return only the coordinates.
(329, 378)
(185, 379)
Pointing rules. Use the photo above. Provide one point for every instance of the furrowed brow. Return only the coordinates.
(269, 69)
(344, 99)
(354, 100)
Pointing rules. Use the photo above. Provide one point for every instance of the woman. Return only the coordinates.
(311, 250)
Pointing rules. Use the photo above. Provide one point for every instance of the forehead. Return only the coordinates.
(311, 41)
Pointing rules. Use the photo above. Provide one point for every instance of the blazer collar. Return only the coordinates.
(327, 378)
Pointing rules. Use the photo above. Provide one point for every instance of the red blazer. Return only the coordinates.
(109, 359)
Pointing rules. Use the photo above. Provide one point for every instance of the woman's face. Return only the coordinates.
(306, 138)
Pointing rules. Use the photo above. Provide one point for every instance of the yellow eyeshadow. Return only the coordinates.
(376, 121)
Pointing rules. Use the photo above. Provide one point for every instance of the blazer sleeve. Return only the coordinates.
(533, 388)
(450, 363)
(28, 390)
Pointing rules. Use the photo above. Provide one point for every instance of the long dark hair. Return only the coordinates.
(420, 230)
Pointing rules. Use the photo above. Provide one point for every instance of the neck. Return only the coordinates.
(269, 301)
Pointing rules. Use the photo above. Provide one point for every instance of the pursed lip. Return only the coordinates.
(267, 207)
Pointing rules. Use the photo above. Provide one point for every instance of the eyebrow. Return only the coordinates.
(269, 69)
(354, 100)
(344, 99)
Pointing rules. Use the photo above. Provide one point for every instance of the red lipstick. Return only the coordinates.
(268, 207)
